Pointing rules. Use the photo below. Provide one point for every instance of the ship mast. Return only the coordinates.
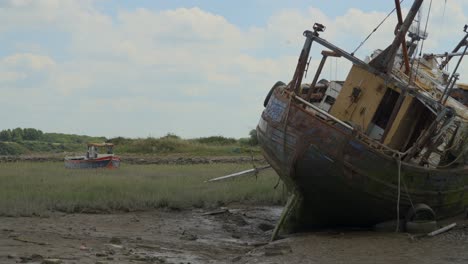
(403, 42)
(295, 84)
(384, 61)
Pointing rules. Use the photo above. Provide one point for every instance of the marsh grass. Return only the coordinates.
(38, 188)
(210, 146)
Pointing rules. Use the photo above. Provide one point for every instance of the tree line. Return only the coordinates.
(31, 134)
(20, 134)
(30, 140)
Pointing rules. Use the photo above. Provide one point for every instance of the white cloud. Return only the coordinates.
(10, 76)
(174, 70)
(29, 61)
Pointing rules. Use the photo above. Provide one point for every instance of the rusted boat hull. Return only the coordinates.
(110, 162)
(342, 180)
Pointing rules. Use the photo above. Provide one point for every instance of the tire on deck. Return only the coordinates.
(276, 85)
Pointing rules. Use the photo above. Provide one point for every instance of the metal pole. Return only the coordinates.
(301, 64)
(460, 44)
(403, 42)
(453, 77)
(323, 112)
(317, 74)
(295, 84)
(388, 62)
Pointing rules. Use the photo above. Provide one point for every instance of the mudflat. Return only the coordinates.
(234, 234)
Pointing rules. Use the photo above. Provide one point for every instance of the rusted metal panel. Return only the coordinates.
(364, 161)
(361, 109)
(344, 181)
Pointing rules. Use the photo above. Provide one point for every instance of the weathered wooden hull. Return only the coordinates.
(110, 162)
(344, 181)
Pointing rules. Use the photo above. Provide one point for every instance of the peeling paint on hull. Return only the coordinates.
(344, 181)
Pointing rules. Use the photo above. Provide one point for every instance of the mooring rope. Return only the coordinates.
(400, 180)
(399, 193)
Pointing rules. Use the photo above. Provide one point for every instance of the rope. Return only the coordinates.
(399, 192)
(400, 180)
(375, 29)
(336, 69)
(425, 27)
(443, 14)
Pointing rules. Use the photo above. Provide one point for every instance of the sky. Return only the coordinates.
(140, 68)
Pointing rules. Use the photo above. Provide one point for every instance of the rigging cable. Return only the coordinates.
(336, 69)
(422, 42)
(375, 29)
(425, 27)
(443, 26)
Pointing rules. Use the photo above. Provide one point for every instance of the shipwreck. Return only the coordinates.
(389, 141)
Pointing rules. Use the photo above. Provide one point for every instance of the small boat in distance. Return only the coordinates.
(93, 159)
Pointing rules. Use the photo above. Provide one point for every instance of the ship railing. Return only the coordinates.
(369, 141)
(324, 113)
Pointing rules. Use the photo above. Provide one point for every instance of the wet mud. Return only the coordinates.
(226, 235)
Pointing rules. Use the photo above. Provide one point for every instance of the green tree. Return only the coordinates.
(253, 140)
(170, 136)
(5, 135)
(17, 134)
(32, 134)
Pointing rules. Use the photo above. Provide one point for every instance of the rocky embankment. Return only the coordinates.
(143, 159)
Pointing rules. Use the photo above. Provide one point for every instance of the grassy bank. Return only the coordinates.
(36, 188)
(188, 147)
(29, 141)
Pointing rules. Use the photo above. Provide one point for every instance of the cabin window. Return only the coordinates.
(329, 100)
(423, 119)
(382, 115)
(416, 119)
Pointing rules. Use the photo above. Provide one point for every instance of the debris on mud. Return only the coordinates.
(238, 235)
